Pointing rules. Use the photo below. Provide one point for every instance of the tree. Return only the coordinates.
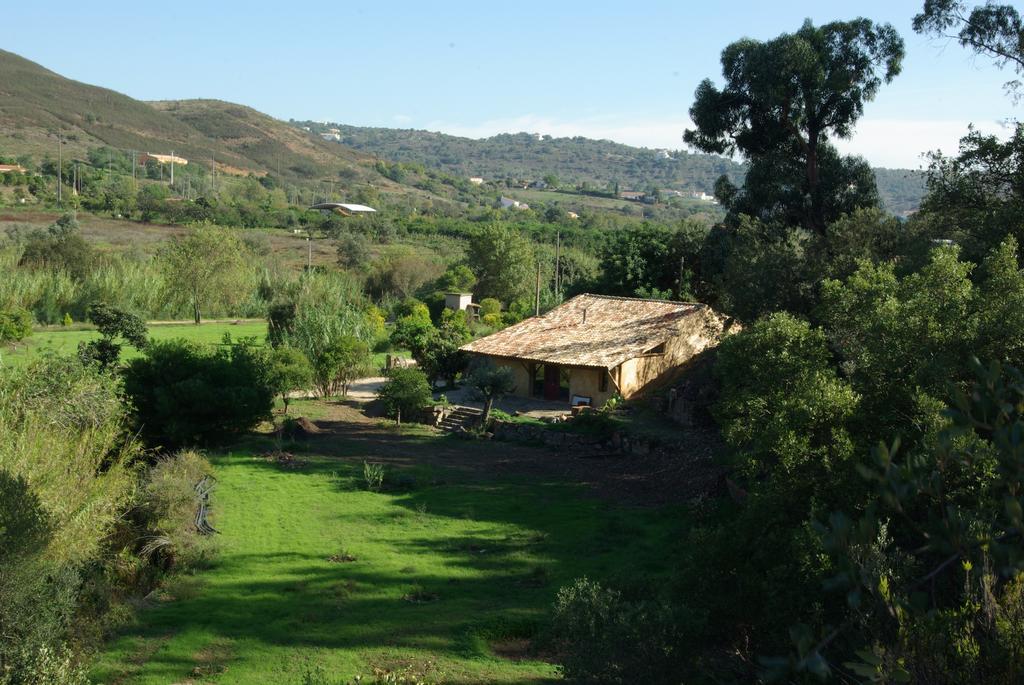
(489, 382)
(503, 262)
(404, 393)
(289, 371)
(783, 98)
(991, 29)
(353, 250)
(343, 360)
(112, 323)
(60, 246)
(205, 269)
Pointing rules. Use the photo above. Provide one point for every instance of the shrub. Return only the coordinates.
(489, 306)
(184, 394)
(405, 392)
(606, 639)
(15, 324)
(169, 499)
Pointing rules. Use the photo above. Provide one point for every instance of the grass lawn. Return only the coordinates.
(456, 564)
(66, 341)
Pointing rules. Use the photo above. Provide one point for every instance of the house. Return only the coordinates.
(595, 346)
(12, 168)
(635, 195)
(161, 159)
(538, 185)
(702, 196)
(572, 215)
(462, 302)
(476, 180)
(509, 203)
(336, 137)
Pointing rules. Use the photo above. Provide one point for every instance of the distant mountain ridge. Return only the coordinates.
(576, 160)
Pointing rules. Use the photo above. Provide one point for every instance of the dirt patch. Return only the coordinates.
(285, 460)
(341, 558)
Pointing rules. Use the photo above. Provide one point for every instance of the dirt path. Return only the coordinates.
(640, 480)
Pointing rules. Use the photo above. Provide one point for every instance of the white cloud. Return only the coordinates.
(894, 143)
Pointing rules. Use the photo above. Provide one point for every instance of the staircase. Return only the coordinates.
(460, 417)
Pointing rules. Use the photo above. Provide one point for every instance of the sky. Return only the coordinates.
(614, 70)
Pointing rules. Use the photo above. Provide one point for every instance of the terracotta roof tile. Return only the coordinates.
(591, 330)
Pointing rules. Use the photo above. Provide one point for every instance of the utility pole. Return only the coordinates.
(558, 262)
(172, 168)
(60, 163)
(536, 300)
(132, 153)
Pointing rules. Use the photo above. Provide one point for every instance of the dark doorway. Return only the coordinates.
(552, 382)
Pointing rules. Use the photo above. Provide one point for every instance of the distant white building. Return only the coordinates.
(476, 180)
(702, 196)
(509, 203)
(331, 136)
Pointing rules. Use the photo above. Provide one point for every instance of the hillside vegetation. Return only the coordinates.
(582, 161)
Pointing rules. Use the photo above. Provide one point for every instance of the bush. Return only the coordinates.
(185, 394)
(170, 501)
(604, 638)
(15, 324)
(405, 392)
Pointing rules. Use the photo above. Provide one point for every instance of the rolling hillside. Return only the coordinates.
(36, 103)
(578, 160)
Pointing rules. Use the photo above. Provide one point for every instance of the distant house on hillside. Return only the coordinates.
(595, 346)
(539, 185)
(509, 203)
(336, 137)
(476, 180)
(572, 215)
(161, 159)
(702, 196)
(12, 168)
(635, 195)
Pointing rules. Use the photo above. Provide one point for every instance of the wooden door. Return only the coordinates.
(552, 383)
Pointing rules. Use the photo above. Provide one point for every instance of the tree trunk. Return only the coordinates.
(195, 311)
(817, 218)
(487, 412)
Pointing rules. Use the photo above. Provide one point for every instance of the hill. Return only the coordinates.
(36, 103)
(578, 160)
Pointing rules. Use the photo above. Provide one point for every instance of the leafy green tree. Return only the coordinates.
(993, 29)
(404, 393)
(289, 371)
(783, 98)
(489, 382)
(353, 250)
(342, 361)
(112, 324)
(457, 278)
(206, 268)
(503, 262)
(60, 246)
(782, 404)
(930, 570)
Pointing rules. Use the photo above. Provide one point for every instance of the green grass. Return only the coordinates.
(66, 341)
(489, 553)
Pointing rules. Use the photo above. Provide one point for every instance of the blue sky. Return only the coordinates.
(624, 71)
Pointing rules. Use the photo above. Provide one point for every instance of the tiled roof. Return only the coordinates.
(592, 330)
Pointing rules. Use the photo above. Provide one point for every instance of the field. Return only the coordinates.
(446, 574)
(66, 341)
